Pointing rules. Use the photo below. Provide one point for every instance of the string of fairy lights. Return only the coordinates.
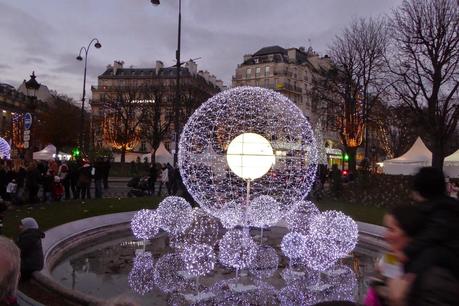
(217, 234)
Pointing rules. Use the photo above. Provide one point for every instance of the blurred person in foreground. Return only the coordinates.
(9, 271)
(431, 257)
(29, 242)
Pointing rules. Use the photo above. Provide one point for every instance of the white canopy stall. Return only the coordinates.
(49, 152)
(162, 155)
(451, 165)
(416, 157)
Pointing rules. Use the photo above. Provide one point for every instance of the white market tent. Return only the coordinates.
(416, 157)
(451, 165)
(49, 152)
(162, 156)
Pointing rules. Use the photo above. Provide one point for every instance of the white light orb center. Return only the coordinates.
(250, 156)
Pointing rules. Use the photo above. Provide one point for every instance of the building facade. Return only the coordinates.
(291, 72)
(195, 88)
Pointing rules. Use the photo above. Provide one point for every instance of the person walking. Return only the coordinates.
(98, 177)
(164, 180)
(84, 181)
(64, 177)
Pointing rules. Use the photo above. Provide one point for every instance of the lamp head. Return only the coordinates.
(155, 2)
(79, 58)
(97, 45)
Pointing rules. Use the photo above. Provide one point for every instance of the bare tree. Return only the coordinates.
(424, 64)
(353, 83)
(157, 117)
(122, 110)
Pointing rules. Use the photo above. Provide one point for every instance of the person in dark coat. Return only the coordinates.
(32, 182)
(29, 242)
(98, 177)
(433, 253)
(84, 181)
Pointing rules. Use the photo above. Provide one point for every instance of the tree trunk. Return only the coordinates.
(123, 155)
(153, 156)
(438, 156)
(352, 153)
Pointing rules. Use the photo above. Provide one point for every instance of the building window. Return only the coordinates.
(267, 71)
(257, 72)
(248, 72)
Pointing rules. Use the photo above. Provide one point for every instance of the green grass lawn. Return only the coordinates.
(53, 214)
(368, 214)
(56, 213)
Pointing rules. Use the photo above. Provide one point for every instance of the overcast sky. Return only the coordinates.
(46, 35)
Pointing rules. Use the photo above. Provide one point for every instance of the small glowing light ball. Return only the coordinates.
(293, 245)
(263, 211)
(175, 215)
(231, 215)
(199, 259)
(167, 276)
(204, 229)
(144, 224)
(299, 217)
(337, 232)
(140, 278)
(213, 143)
(250, 156)
(265, 263)
(236, 249)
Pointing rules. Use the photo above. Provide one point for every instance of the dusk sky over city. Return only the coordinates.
(45, 36)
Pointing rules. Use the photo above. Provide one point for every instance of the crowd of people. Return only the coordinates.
(38, 181)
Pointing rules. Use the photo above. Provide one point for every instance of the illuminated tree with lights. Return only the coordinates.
(353, 81)
(122, 110)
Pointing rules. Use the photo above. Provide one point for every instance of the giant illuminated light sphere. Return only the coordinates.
(265, 263)
(5, 149)
(175, 215)
(293, 245)
(230, 120)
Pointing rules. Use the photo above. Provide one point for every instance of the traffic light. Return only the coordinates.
(346, 157)
(76, 152)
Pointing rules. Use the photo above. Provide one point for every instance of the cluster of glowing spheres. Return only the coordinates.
(199, 259)
(204, 229)
(294, 245)
(263, 211)
(205, 139)
(144, 224)
(265, 263)
(175, 215)
(237, 249)
(299, 216)
(140, 278)
(168, 274)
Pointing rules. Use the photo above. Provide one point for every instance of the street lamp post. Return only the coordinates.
(177, 86)
(80, 58)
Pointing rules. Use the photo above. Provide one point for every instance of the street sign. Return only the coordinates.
(27, 121)
(26, 132)
(26, 144)
(26, 137)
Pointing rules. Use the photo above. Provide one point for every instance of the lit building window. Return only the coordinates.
(257, 72)
(248, 72)
(267, 71)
